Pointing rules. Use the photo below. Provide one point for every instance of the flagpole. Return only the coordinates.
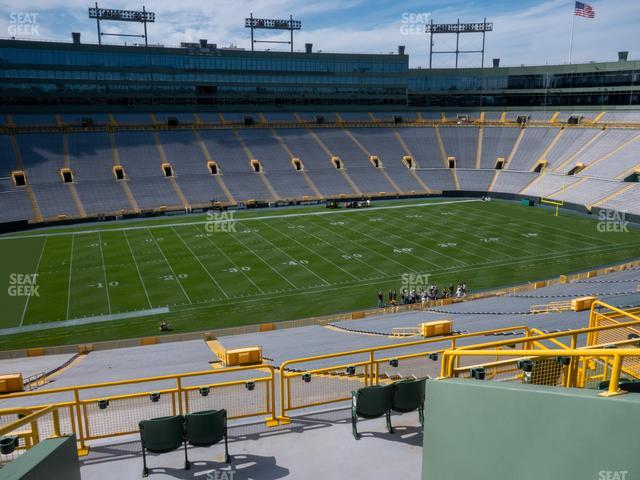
(573, 23)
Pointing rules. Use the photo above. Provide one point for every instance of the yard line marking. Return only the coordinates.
(474, 243)
(556, 228)
(104, 272)
(441, 232)
(361, 245)
(342, 250)
(231, 261)
(304, 291)
(236, 238)
(412, 254)
(519, 238)
(135, 262)
(26, 304)
(338, 286)
(170, 267)
(70, 273)
(314, 253)
(265, 217)
(200, 262)
(286, 254)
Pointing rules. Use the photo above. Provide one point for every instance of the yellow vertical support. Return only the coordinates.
(554, 117)
(503, 117)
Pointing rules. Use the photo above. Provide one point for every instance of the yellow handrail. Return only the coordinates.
(617, 355)
(32, 419)
(371, 352)
(78, 412)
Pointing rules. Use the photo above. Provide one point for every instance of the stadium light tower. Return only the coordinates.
(457, 28)
(271, 24)
(101, 14)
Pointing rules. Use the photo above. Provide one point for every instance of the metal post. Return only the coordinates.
(457, 43)
(252, 43)
(291, 30)
(98, 22)
(483, 35)
(431, 44)
(144, 21)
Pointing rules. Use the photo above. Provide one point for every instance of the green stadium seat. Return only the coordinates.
(371, 402)
(207, 428)
(409, 395)
(162, 435)
(632, 386)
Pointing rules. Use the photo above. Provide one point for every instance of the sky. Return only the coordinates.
(525, 32)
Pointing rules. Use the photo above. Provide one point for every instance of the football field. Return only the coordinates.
(117, 280)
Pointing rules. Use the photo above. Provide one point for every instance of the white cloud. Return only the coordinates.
(536, 34)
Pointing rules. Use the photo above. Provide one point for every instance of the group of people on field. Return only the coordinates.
(409, 296)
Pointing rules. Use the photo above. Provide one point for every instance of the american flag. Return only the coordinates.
(584, 10)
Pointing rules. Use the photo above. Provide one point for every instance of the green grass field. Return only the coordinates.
(279, 264)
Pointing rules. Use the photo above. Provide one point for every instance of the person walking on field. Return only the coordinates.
(380, 299)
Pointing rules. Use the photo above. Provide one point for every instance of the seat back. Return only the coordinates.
(374, 401)
(162, 434)
(408, 395)
(632, 386)
(205, 428)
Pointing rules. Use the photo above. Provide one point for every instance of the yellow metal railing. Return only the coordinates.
(97, 411)
(310, 386)
(562, 306)
(616, 358)
(25, 428)
(94, 413)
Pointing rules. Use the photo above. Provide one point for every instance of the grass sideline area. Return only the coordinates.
(114, 279)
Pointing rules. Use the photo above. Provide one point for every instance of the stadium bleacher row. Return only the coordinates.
(79, 174)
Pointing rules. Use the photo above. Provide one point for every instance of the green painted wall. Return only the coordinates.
(476, 430)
